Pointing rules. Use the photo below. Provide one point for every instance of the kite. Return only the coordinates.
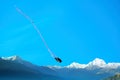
(40, 35)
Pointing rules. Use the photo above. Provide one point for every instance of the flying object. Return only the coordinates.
(58, 59)
(40, 35)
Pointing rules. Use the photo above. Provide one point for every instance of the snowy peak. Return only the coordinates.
(76, 65)
(97, 62)
(12, 58)
(113, 65)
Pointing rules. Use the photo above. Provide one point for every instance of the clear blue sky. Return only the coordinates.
(75, 30)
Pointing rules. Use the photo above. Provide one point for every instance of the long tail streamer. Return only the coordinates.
(35, 27)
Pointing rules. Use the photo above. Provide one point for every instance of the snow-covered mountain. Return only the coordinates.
(12, 68)
(12, 58)
(96, 63)
(94, 70)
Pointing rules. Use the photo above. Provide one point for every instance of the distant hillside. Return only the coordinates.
(14, 68)
(116, 77)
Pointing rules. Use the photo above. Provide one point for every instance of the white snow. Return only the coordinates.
(12, 58)
(76, 65)
(56, 67)
(96, 63)
(113, 65)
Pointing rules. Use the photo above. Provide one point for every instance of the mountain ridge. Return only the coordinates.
(97, 69)
(15, 68)
(97, 62)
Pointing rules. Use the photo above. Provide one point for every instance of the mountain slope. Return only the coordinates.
(115, 77)
(15, 68)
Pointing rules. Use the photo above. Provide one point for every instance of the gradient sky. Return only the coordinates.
(75, 30)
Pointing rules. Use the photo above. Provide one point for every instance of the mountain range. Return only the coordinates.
(15, 68)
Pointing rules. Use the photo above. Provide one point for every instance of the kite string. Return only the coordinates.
(35, 27)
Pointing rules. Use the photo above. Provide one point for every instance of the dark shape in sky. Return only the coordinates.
(58, 59)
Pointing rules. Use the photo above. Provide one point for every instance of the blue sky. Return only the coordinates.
(75, 30)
